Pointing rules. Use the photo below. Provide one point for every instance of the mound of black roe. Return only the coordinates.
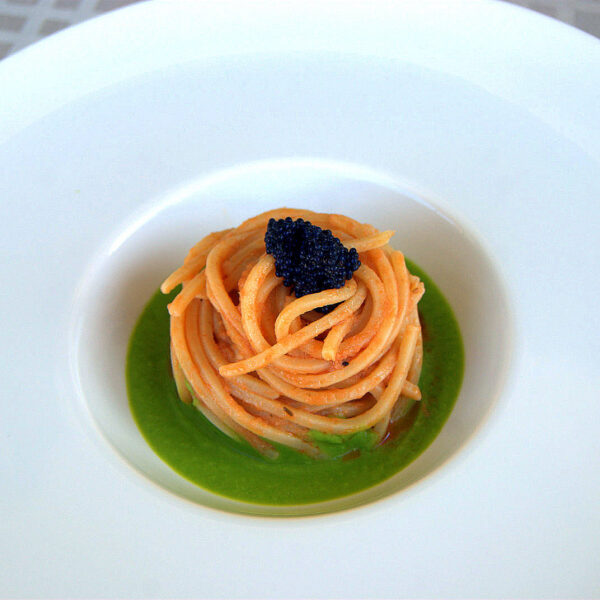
(308, 258)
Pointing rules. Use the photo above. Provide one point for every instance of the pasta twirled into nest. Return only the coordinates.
(266, 367)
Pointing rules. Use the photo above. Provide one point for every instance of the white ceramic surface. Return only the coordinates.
(23, 22)
(471, 105)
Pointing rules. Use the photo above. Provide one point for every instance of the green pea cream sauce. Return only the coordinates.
(189, 444)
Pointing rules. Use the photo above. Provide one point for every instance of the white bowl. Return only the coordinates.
(125, 275)
(486, 106)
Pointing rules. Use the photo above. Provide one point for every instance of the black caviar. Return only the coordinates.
(309, 258)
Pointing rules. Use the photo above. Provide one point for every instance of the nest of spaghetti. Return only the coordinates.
(267, 367)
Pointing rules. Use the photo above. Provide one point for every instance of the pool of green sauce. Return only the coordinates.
(189, 444)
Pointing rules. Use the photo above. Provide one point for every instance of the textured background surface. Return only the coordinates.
(23, 22)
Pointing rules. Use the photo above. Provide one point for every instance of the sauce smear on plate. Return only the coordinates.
(194, 448)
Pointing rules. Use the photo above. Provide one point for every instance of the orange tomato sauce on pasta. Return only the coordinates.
(264, 367)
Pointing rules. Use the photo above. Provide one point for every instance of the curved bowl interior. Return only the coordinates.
(130, 268)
